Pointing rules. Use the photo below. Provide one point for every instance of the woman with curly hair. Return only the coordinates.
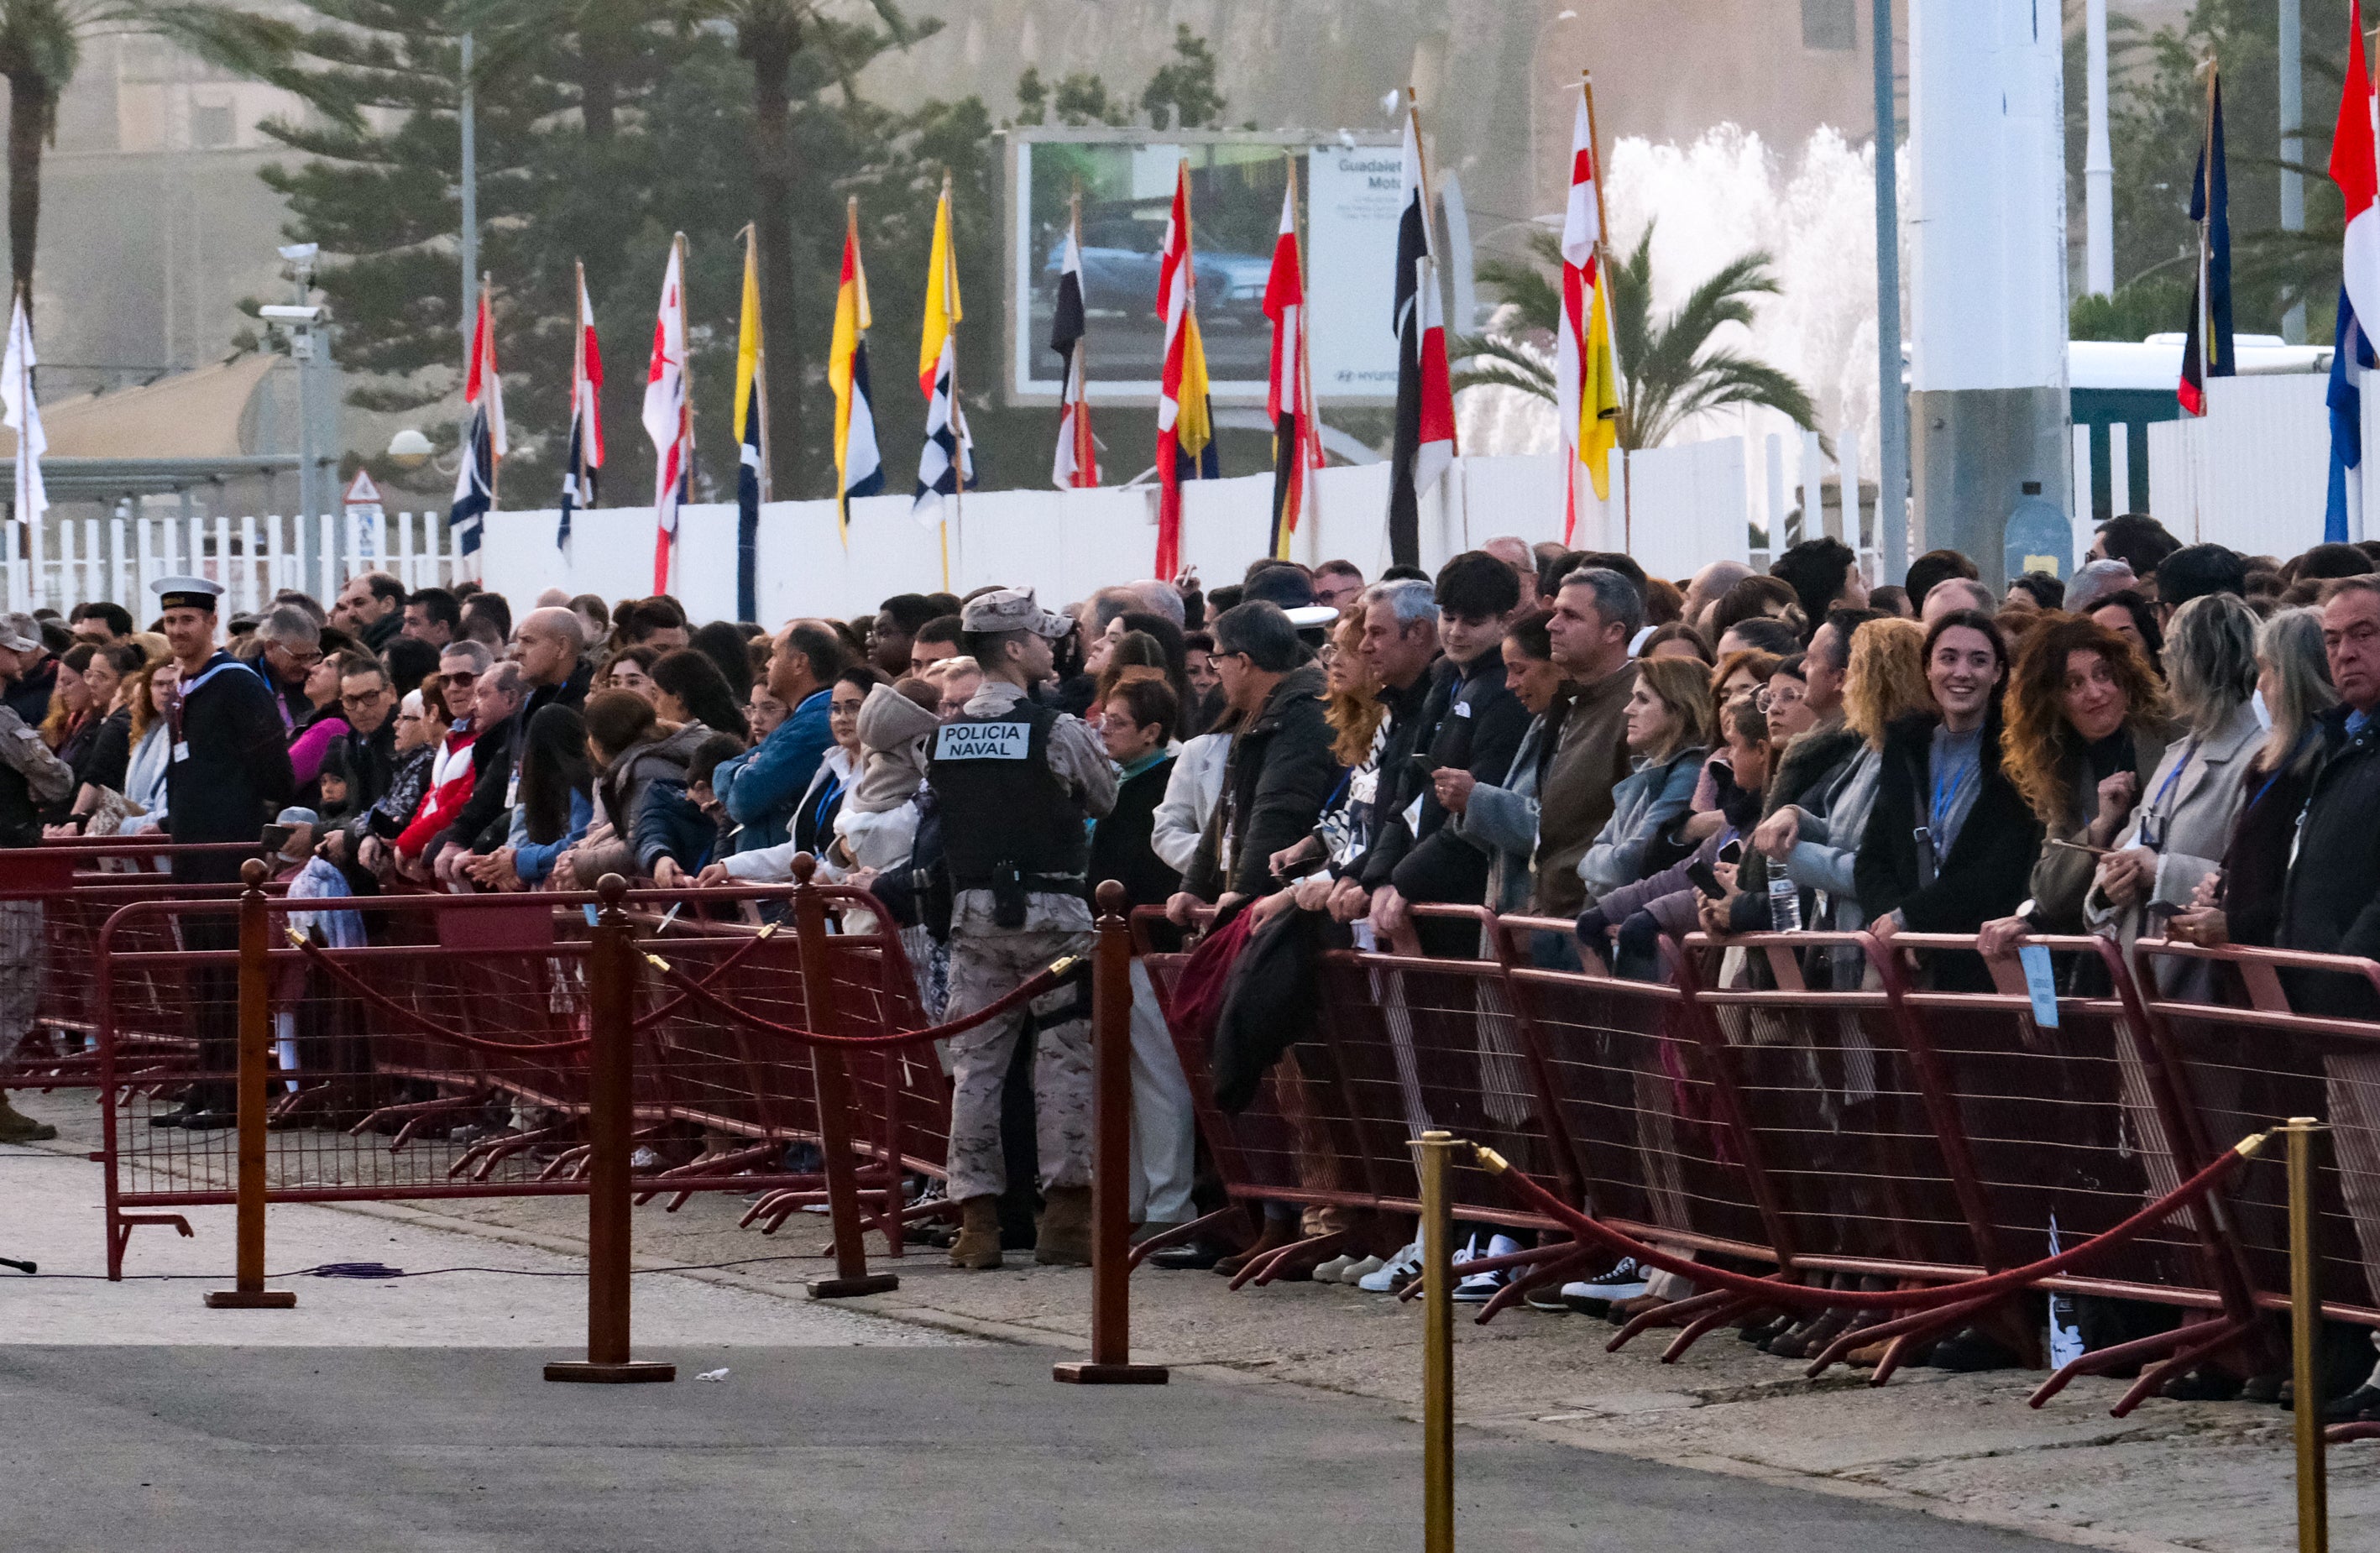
(2086, 727)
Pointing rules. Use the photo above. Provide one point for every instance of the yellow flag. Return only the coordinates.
(1598, 407)
(942, 296)
(748, 343)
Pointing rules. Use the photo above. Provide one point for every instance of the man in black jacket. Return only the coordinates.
(1280, 768)
(1399, 643)
(371, 607)
(2331, 904)
(1471, 724)
(366, 754)
(498, 695)
(228, 774)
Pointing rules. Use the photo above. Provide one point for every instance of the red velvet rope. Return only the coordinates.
(1535, 1196)
(1032, 987)
(664, 1010)
(373, 996)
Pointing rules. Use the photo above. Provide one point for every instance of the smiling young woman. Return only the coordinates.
(1950, 844)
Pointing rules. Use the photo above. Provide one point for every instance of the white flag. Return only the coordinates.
(24, 417)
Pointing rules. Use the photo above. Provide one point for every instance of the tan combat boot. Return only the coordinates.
(1065, 1239)
(977, 1247)
(18, 1127)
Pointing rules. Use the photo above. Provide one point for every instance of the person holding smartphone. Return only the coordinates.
(2178, 834)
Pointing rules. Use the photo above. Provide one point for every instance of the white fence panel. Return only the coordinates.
(2253, 473)
(1686, 507)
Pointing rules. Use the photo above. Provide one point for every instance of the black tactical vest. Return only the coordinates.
(1003, 809)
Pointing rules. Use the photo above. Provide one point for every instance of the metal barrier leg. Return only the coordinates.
(850, 1276)
(611, 1058)
(1436, 1347)
(1110, 1362)
(2305, 1322)
(248, 1291)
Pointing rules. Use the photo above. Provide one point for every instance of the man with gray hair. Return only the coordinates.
(1399, 643)
(293, 645)
(1158, 598)
(1597, 614)
(549, 645)
(2095, 580)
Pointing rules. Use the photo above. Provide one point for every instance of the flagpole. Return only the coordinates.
(859, 332)
(1309, 507)
(1086, 454)
(759, 370)
(1602, 281)
(487, 310)
(958, 433)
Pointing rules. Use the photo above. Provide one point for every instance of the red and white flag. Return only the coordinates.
(1586, 378)
(1296, 438)
(483, 436)
(1424, 447)
(1185, 428)
(2352, 167)
(669, 414)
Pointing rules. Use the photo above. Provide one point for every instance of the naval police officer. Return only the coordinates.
(1017, 785)
(227, 774)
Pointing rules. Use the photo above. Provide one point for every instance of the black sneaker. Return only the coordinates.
(1970, 1351)
(1595, 1297)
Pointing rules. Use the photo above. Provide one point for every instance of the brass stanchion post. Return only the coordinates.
(611, 1071)
(2305, 1330)
(1110, 1362)
(248, 1291)
(1436, 1346)
(851, 1276)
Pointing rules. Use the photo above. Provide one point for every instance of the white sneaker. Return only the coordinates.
(1333, 1269)
(1399, 1270)
(1355, 1272)
(1595, 1296)
(1479, 1288)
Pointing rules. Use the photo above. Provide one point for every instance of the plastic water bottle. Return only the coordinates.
(1784, 906)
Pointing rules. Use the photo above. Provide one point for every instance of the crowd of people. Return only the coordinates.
(2175, 742)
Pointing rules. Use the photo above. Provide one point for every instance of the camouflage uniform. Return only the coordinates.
(988, 960)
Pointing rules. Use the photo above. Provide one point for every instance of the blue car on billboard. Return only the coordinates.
(1121, 251)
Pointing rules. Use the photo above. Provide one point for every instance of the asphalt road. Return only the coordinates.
(850, 1450)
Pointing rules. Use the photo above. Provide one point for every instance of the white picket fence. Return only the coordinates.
(115, 560)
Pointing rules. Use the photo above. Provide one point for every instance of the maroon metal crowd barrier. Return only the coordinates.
(74, 885)
(1844, 1119)
(435, 1046)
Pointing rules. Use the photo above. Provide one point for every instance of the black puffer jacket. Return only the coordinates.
(1279, 771)
(2331, 904)
(1989, 865)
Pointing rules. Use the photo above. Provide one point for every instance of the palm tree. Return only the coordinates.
(40, 46)
(769, 34)
(1670, 371)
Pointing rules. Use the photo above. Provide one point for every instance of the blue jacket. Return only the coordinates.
(669, 824)
(534, 860)
(762, 788)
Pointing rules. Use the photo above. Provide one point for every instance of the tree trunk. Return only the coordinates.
(770, 48)
(28, 124)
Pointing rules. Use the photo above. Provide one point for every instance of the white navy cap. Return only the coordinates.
(187, 593)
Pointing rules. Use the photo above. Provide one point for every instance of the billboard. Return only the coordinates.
(1348, 187)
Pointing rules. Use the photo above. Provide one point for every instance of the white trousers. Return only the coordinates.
(1161, 1119)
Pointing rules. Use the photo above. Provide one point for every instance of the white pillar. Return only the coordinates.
(144, 539)
(121, 581)
(1847, 480)
(38, 587)
(2119, 472)
(1775, 494)
(66, 562)
(1813, 495)
(2083, 513)
(2098, 160)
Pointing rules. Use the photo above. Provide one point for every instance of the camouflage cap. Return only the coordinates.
(1011, 608)
(20, 633)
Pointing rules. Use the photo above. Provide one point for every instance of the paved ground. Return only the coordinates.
(839, 1451)
(1317, 1383)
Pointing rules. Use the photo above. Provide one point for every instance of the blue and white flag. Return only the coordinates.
(483, 438)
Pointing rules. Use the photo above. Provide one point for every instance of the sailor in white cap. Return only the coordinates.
(1016, 784)
(228, 772)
